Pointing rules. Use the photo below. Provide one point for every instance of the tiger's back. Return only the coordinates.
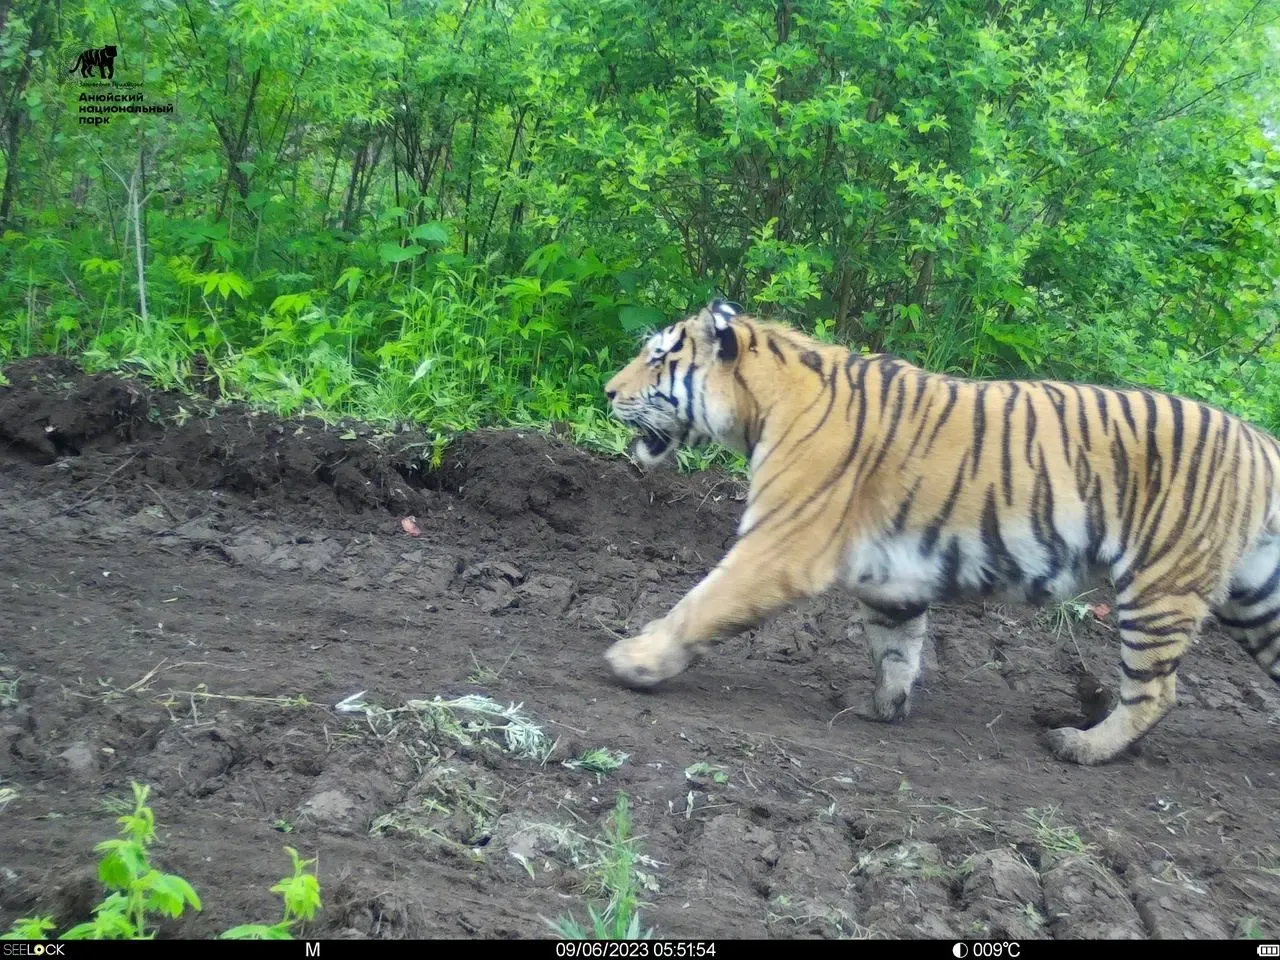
(909, 488)
(1029, 489)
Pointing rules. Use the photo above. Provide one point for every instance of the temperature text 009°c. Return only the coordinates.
(983, 949)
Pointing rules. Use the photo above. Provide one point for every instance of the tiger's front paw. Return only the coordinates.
(647, 659)
(889, 705)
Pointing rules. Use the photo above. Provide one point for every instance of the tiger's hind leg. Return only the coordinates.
(896, 636)
(1156, 629)
(1251, 613)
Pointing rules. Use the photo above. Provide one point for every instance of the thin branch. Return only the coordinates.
(1115, 78)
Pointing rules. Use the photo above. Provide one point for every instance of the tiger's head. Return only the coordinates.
(680, 389)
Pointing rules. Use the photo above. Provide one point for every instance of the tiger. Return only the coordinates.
(104, 58)
(908, 488)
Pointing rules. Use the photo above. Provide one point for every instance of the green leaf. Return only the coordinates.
(391, 253)
(636, 318)
(170, 894)
(434, 232)
(257, 931)
(123, 863)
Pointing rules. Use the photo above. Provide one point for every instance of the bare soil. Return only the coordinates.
(188, 589)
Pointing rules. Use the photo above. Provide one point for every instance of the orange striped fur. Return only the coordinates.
(908, 488)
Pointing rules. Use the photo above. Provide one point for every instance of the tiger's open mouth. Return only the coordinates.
(655, 441)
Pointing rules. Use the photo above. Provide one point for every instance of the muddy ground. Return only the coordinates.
(189, 589)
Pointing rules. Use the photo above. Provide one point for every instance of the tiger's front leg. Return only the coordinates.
(747, 587)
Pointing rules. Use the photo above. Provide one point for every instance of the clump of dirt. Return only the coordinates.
(51, 412)
(195, 593)
(90, 413)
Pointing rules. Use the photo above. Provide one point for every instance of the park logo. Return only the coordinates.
(102, 58)
(97, 106)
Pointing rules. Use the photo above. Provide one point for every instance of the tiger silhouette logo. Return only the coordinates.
(104, 58)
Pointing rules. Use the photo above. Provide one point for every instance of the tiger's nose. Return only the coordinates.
(611, 394)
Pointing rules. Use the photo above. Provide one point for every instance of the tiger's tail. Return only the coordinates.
(76, 66)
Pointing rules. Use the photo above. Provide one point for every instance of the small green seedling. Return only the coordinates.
(301, 895)
(620, 918)
(29, 928)
(139, 892)
(138, 889)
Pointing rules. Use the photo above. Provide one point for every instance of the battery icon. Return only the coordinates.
(1269, 949)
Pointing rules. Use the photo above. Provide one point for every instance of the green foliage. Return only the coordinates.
(29, 928)
(301, 895)
(139, 894)
(620, 917)
(470, 213)
(138, 890)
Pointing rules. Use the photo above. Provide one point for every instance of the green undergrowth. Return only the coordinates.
(475, 214)
(618, 881)
(446, 356)
(139, 896)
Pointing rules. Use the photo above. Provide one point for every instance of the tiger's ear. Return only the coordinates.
(723, 311)
(720, 314)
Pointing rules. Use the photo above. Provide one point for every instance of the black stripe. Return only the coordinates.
(1100, 396)
(854, 446)
(1000, 565)
(904, 508)
(727, 343)
(924, 419)
(1181, 525)
(893, 367)
(1095, 520)
(1155, 461)
(895, 613)
(1127, 411)
(1143, 626)
(950, 569)
(934, 529)
(944, 416)
(1166, 668)
(1059, 401)
(1247, 598)
(979, 426)
(1249, 623)
(1082, 417)
(1006, 446)
(688, 389)
(1151, 644)
(1083, 474)
(1031, 431)
(898, 407)
(1135, 700)
(922, 381)
(1175, 408)
(1120, 467)
(1044, 529)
